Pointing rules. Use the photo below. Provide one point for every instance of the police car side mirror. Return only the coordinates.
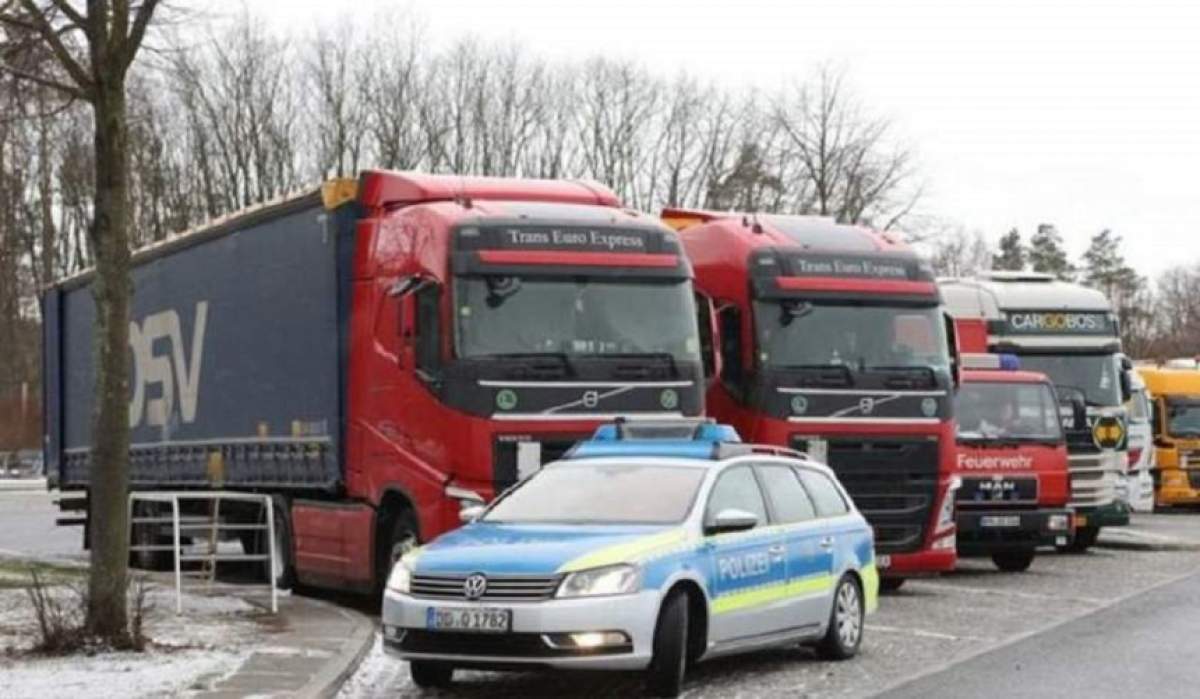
(731, 520)
(469, 514)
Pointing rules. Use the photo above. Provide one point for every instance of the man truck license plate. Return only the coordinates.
(481, 620)
(1000, 521)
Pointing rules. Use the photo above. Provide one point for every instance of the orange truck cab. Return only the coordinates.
(1175, 396)
(1012, 459)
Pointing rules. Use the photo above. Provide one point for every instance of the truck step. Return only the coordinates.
(70, 521)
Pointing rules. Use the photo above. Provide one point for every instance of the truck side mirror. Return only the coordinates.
(710, 337)
(952, 346)
(1126, 386)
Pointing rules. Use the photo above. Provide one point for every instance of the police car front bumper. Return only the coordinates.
(542, 634)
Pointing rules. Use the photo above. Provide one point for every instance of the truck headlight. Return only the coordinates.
(619, 579)
(400, 577)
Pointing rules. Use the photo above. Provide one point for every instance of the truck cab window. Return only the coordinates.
(428, 345)
(704, 320)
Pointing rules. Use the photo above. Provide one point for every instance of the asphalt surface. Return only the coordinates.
(27, 525)
(1143, 646)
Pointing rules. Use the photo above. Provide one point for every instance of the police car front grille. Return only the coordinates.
(513, 588)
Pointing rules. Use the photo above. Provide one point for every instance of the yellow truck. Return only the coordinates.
(1176, 407)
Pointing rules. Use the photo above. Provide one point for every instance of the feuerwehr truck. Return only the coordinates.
(376, 354)
(1069, 333)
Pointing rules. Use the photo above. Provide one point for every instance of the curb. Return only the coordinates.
(1140, 543)
(326, 683)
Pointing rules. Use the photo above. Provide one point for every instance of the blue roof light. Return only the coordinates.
(689, 439)
(1010, 362)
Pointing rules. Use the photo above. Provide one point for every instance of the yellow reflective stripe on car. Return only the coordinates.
(629, 551)
(766, 594)
(870, 581)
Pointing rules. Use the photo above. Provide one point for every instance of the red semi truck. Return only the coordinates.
(1012, 459)
(830, 339)
(377, 353)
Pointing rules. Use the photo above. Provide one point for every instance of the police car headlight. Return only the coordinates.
(620, 579)
(400, 577)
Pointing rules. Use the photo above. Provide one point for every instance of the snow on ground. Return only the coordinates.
(378, 675)
(189, 652)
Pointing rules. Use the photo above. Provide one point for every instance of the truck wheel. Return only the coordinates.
(890, 584)
(844, 634)
(282, 567)
(427, 674)
(1084, 539)
(1013, 561)
(665, 676)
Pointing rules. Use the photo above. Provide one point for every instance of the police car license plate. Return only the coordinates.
(997, 521)
(471, 619)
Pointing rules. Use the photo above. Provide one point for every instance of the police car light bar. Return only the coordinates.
(1003, 362)
(688, 439)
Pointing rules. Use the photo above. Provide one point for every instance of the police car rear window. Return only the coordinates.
(596, 493)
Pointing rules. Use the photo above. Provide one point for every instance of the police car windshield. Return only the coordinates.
(599, 493)
(1092, 377)
(987, 411)
(514, 315)
(861, 337)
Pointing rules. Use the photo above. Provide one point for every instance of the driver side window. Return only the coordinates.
(729, 319)
(428, 325)
(736, 489)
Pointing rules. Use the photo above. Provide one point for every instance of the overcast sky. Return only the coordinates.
(1084, 114)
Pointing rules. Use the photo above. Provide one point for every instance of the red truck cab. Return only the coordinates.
(830, 339)
(1012, 459)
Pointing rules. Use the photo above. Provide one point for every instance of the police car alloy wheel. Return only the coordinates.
(845, 622)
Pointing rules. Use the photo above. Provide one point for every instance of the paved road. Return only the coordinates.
(27, 525)
(927, 624)
(1143, 646)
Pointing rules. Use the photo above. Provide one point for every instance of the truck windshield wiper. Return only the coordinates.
(660, 357)
(908, 372)
(991, 441)
(561, 358)
(821, 374)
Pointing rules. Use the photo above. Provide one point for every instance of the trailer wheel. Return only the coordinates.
(1013, 561)
(149, 535)
(282, 567)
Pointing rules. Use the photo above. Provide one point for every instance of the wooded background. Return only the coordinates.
(233, 114)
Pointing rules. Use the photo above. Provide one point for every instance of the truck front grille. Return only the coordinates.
(1093, 478)
(893, 481)
(507, 588)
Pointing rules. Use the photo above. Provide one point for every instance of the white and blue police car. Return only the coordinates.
(650, 546)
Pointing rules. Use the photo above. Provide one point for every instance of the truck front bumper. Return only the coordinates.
(540, 635)
(1178, 486)
(984, 532)
(941, 557)
(1114, 514)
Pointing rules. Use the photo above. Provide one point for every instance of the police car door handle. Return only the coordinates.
(776, 550)
(827, 542)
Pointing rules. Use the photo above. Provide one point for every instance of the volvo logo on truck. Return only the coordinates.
(174, 374)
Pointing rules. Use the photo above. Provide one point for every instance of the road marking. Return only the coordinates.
(921, 633)
(1009, 593)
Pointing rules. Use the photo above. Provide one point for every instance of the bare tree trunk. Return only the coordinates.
(110, 418)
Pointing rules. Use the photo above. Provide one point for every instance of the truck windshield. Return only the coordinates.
(1090, 377)
(1007, 411)
(1183, 416)
(860, 337)
(511, 315)
(592, 493)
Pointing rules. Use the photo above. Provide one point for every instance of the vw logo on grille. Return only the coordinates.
(474, 586)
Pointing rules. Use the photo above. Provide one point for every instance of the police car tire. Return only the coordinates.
(1013, 561)
(667, 665)
(428, 674)
(832, 647)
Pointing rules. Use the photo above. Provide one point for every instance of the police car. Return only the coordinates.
(650, 546)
